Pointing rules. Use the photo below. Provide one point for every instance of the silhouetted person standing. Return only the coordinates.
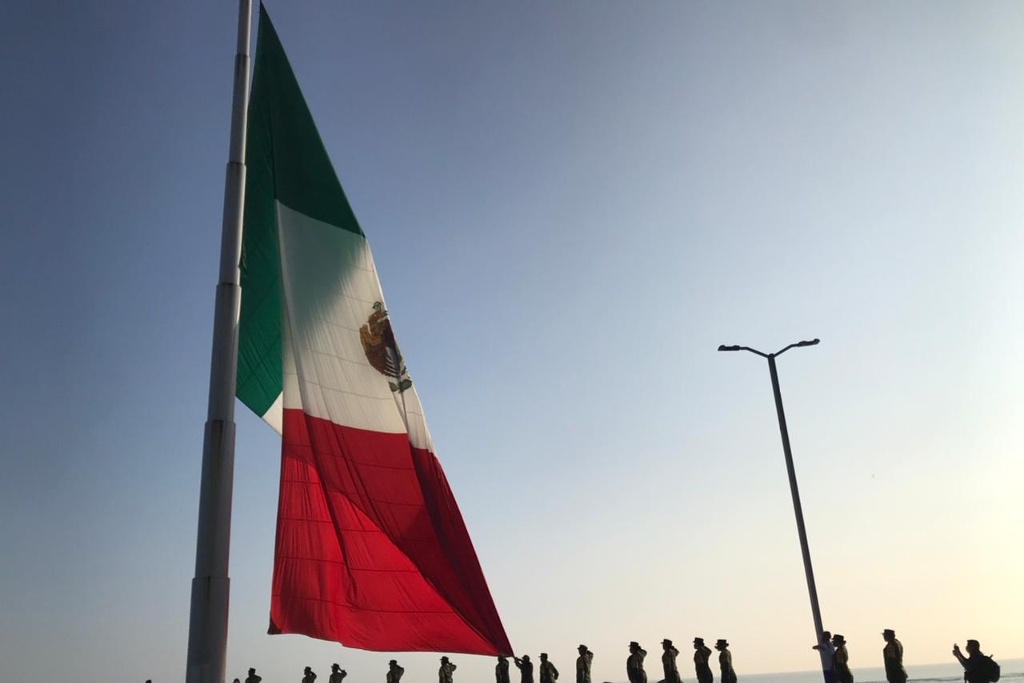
(394, 672)
(501, 670)
(525, 667)
(548, 672)
(701, 663)
(725, 661)
(978, 668)
(841, 660)
(337, 674)
(445, 671)
(668, 662)
(635, 663)
(826, 646)
(892, 656)
(308, 676)
(252, 677)
(583, 663)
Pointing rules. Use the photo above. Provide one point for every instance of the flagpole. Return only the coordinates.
(208, 621)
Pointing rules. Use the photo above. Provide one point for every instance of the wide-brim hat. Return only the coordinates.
(581, 647)
(698, 640)
(836, 638)
(888, 632)
(666, 642)
(721, 642)
(633, 643)
(393, 661)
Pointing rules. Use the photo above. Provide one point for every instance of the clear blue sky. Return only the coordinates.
(571, 205)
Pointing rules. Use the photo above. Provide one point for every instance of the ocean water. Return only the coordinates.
(1012, 672)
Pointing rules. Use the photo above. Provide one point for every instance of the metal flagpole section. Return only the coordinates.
(208, 621)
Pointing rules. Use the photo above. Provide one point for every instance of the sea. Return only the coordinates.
(1012, 671)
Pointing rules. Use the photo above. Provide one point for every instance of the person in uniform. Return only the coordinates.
(394, 672)
(501, 670)
(635, 663)
(892, 656)
(525, 667)
(725, 661)
(583, 663)
(841, 660)
(701, 665)
(445, 671)
(252, 677)
(337, 674)
(668, 662)
(548, 672)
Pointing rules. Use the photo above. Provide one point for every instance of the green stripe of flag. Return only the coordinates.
(286, 161)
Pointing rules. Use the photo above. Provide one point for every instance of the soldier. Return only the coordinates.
(394, 672)
(501, 670)
(252, 677)
(308, 676)
(725, 661)
(548, 672)
(668, 662)
(892, 655)
(525, 667)
(841, 660)
(635, 663)
(583, 664)
(445, 671)
(337, 674)
(701, 655)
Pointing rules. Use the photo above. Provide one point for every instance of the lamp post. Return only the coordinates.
(826, 665)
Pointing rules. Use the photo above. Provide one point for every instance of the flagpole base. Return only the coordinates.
(208, 630)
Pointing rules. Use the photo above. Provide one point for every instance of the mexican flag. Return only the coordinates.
(371, 551)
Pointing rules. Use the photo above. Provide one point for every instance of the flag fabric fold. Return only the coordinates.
(371, 548)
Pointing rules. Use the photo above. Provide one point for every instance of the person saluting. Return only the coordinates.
(635, 663)
(583, 663)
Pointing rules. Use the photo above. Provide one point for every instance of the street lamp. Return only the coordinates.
(826, 665)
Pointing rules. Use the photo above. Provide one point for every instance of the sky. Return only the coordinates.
(571, 206)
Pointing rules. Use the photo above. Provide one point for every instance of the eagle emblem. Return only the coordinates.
(381, 349)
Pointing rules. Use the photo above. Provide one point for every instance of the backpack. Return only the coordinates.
(990, 668)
